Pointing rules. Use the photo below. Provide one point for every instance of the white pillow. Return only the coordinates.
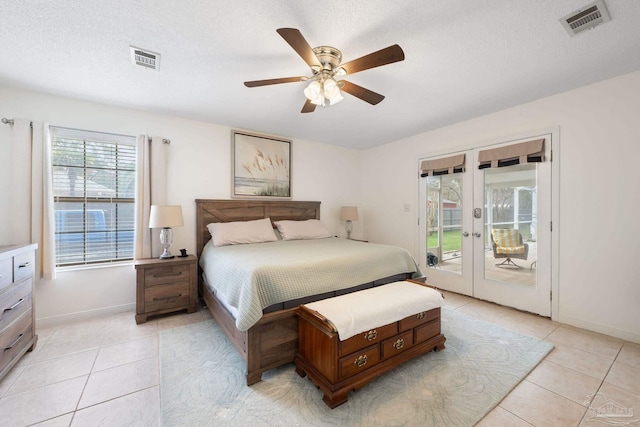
(302, 230)
(233, 233)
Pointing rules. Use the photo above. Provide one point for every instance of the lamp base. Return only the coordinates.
(348, 226)
(166, 238)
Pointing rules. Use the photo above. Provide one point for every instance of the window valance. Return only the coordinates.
(444, 166)
(523, 152)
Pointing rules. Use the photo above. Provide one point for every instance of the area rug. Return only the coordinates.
(202, 382)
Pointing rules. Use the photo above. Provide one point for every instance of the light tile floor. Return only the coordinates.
(104, 371)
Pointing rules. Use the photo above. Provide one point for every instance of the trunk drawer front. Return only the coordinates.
(358, 361)
(23, 265)
(164, 297)
(364, 339)
(423, 333)
(14, 303)
(6, 272)
(397, 344)
(418, 319)
(14, 338)
(169, 274)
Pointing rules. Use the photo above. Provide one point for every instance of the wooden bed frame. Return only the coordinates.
(273, 340)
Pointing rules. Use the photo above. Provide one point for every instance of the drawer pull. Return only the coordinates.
(14, 343)
(26, 264)
(371, 335)
(179, 273)
(421, 316)
(398, 344)
(168, 298)
(20, 301)
(360, 361)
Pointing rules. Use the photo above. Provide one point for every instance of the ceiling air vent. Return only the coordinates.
(145, 58)
(588, 17)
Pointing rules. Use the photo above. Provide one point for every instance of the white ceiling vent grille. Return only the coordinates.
(145, 58)
(588, 17)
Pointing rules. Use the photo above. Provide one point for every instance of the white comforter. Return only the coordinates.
(253, 276)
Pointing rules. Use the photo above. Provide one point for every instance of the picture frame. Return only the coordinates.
(260, 166)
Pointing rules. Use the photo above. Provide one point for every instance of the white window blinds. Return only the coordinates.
(94, 195)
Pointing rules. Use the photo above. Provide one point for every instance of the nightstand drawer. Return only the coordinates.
(6, 272)
(14, 302)
(23, 265)
(165, 297)
(166, 274)
(15, 338)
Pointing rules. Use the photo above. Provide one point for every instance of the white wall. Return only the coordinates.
(599, 233)
(199, 167)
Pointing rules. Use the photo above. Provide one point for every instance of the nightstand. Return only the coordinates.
(165, 286)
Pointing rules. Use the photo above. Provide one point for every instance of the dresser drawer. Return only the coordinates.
(365, 339)
(14, 302)
(23, 265)
(358, 361)
(429, 330)
(15, 338)
(418, 319)
(166, 274)
(6, 272)
(397, 344)
(165, 297)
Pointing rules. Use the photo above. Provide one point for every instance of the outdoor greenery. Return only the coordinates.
(450, 240)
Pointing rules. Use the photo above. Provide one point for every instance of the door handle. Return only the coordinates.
(477, 234)
(465, 234)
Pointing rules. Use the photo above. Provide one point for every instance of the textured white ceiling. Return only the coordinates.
(463, 58)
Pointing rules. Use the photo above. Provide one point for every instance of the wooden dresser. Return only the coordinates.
(165, 285)
(17, 317)
(338, 367)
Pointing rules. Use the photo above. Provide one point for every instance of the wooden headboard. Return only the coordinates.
(208, 211)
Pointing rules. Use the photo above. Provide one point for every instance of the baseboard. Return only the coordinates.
(85, 315)
(603, 329)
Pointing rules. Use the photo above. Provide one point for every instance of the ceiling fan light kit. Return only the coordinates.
(325, 64)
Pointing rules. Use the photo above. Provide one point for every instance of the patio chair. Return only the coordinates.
(507, 243)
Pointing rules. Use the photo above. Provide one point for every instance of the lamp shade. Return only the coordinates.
(165, 216)
(349, 213)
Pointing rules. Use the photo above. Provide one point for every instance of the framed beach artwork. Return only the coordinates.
(260, 166)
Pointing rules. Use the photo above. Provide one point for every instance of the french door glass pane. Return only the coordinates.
(444, 222)
(510, 224)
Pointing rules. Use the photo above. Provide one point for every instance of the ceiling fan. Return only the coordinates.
(326, 67)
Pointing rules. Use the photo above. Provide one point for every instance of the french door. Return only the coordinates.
(487, 223)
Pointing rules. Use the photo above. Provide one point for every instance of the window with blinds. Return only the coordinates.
(94, 196)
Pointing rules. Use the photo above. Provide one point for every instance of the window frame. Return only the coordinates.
(96, 153)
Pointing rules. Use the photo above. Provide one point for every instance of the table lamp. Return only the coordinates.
(348, 214)
(165, 217)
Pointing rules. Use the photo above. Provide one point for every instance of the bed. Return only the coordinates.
(270, 339)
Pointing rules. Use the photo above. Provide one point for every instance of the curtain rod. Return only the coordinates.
(7, 121)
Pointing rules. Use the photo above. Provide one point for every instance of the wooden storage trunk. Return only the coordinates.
(337, 367)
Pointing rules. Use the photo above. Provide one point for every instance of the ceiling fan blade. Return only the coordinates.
(367, 95)
(299, 44)
(308, 107)
(256, 83)
(385, 56)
